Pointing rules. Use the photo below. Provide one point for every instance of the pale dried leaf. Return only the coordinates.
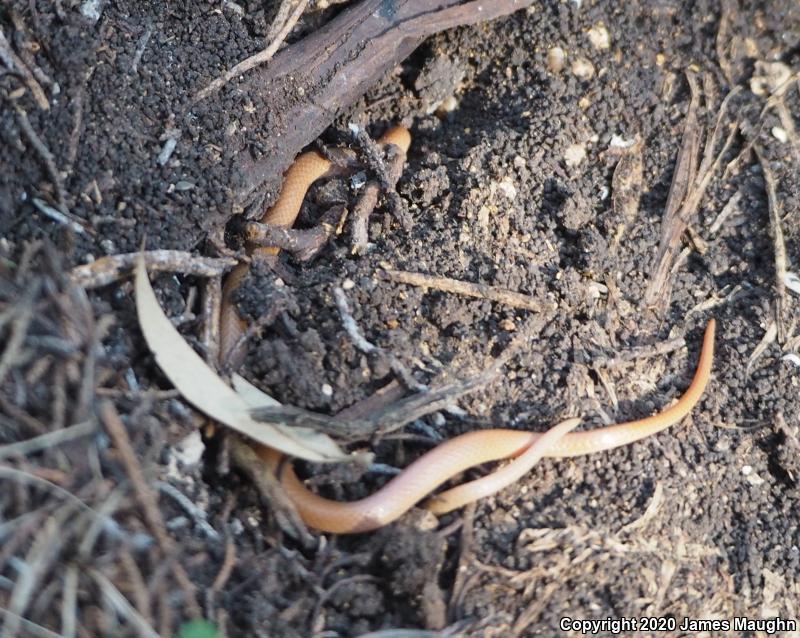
(252, 396)
(205, 390)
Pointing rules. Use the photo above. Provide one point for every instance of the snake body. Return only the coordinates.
(304, 171)
(452, 457)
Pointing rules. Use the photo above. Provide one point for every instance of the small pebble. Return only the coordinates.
(506, 187)
(508, 325)
(780, 134)
(556, 59)
(599, 37)
(574, 155)
(446, 106)
(583, 69)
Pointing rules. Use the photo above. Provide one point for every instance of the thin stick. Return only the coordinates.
(366, 203)
(673, 223)
(41, 555)
(778, 243)
(281, 17)
(378, 400)
(209, 335)
(113, 267)
(199, 516)
(137, 584)
(228, 563)
(31, 627)
(445, 284)
(121, 605)
(388, 171)
(302, 243)
(69, 602)
(26, 47)
(145, 496)
(19, 329)
(77, 122)
(350, 325)
(254, 60)
(48, 440)
(465, 558)
(267, 319)
(13, 63)
(673, 226)
(49, 163)
(140, 48)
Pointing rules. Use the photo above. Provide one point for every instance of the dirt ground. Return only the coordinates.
(542, 162)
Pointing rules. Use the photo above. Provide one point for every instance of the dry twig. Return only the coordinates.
(212, 302)
(378, 400)
(465, 557)
(20, 323)
(69, 602)
(15, 64)
(723, 41)
(303, 244)
(389, 418)
(388, 173)
(46, 547)
(136, 582)
(626, 187)
(445, 284)
(366, 203)
(120, 604)
(689, 184)
(778, 243)
(225, 571)
(47, 441)
(50, 165)
(108, 269)
(199, 516)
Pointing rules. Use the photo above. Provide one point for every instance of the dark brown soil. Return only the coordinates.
(701, 521)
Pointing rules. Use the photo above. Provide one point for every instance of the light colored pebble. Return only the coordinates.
(574, 155)
(599, 37)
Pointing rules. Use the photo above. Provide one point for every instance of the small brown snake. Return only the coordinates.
(452, 457)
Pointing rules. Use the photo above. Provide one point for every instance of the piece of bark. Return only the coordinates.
(311, 82)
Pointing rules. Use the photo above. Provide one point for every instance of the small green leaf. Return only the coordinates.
(197, 629)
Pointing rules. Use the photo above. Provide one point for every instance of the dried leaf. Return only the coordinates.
(205, 390)
(252, 396)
